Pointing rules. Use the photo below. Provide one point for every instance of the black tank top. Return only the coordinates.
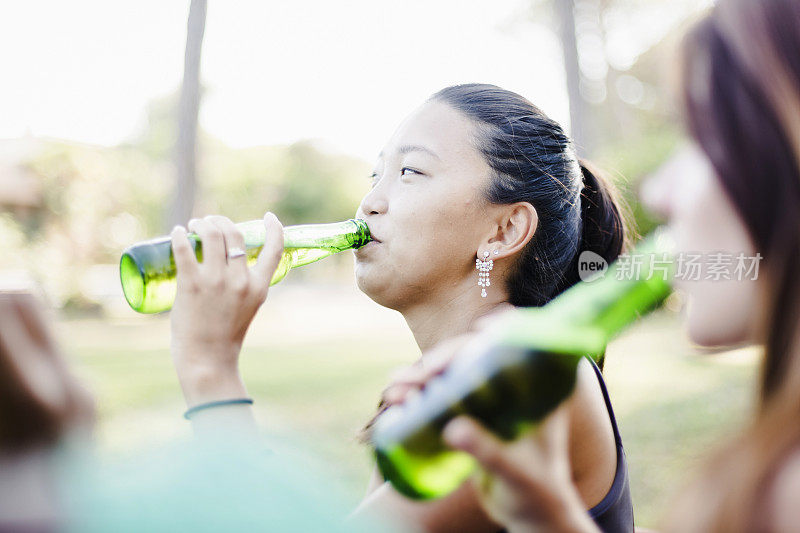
(614, 513)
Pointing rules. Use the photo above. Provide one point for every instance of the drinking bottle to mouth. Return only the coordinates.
(148, 273)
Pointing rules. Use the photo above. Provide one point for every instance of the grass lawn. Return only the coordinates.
(317, 358)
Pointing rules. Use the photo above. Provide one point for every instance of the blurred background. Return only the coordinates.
(119, 120)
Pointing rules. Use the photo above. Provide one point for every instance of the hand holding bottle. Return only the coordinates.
(215, 302)
(526, 484)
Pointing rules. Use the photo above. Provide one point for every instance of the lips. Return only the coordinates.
(373, 237)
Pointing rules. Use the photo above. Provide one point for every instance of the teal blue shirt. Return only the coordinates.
(201, 487)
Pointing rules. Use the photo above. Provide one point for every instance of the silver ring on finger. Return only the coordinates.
(233, 253)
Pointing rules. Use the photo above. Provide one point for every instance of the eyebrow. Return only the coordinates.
(407, 148)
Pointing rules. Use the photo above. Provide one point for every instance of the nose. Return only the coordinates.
(375, 202)
(666, 191)
(654, 194)
(658, 191)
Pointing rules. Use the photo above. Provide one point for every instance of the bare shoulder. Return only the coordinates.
(587, 405)
(784, 500)
(592, 448)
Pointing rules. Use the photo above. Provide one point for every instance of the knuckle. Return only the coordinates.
(490, 456)
(190, 285)
(240, 288)
(214, 233)
(216, 283)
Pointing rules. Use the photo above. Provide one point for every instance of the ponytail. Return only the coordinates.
(601, 214)
(602, 223)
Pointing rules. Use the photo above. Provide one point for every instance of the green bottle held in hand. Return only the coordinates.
(147, 269)
(514, 376)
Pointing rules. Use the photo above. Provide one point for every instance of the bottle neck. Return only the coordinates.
(585, 317)
(632, 286)
(338, 236)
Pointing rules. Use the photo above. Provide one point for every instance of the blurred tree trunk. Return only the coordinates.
(188, 108)
(579, 108)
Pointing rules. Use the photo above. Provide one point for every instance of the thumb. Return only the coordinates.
(271, 253)
(467, 435)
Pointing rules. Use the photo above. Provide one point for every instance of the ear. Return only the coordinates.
(516, 225)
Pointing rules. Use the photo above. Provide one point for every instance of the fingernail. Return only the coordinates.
(392, 396)
(456, 432)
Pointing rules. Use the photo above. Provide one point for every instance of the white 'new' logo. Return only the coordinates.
(591, 266)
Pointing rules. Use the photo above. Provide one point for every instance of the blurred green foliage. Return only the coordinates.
(97, 200)
(299, 183)
(629, 161)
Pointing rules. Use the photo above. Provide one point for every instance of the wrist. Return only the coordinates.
(562, 512)
(569, 515)
(210, 383)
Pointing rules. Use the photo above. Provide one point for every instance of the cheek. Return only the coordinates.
(721, 313)
(442, 217)
(437, 240)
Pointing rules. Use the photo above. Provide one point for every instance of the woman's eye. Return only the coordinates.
(373, 178)
(406, 170)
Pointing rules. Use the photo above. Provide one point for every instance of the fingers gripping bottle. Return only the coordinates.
(148, 274)
(512, 378)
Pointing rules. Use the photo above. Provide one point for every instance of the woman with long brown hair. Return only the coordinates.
(741, 100)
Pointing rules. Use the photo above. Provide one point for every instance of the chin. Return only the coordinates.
(716, 330)
(370, 284)
(381, 287)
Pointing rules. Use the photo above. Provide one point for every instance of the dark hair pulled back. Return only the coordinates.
(535, 161)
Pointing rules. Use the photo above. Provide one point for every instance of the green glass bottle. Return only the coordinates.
(518, 373)
(147, 269)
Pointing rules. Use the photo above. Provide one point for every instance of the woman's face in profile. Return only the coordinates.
(426, 210)
(724, 303)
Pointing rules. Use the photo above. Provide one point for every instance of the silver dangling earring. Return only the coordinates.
(484, 266)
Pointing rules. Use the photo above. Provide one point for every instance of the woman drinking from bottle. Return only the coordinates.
(741, 99)
(478, 203)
